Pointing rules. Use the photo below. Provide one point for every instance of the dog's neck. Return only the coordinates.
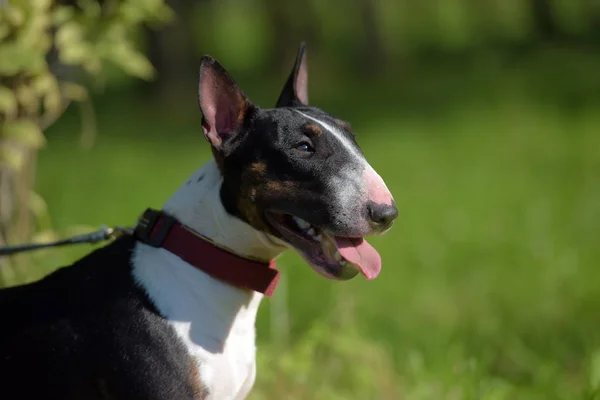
(189, 296)
(197, 204)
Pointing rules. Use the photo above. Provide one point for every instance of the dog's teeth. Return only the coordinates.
(301, 223)
(311, 232)
(337, 256)
(344, 263)
(318, 238)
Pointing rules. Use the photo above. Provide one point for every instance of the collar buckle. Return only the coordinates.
(145, 229)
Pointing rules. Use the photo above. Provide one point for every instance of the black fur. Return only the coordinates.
(271, 138)
(90, 332)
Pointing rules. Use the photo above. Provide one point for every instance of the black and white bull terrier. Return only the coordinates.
(169, 312)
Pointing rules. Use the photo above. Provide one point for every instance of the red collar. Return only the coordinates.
(160, 230)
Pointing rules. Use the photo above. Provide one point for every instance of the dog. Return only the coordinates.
(169, 312)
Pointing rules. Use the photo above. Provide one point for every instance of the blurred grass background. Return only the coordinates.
(482, 117)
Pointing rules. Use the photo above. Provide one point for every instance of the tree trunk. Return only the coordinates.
(544, 23)
(171, 53)
(16, 222)
(292, 23)
(373, 50)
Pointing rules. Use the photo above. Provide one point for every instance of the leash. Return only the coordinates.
(104, 233)
(158, 229)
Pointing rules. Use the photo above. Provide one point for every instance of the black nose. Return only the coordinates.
(382, 214)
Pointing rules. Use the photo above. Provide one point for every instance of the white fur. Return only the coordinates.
(349, 183)
(344, 141)
(214, 320)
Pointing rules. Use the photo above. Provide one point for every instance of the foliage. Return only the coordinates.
(44, 47)
(332, 360)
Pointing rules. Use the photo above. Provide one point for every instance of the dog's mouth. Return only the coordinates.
(334, 257)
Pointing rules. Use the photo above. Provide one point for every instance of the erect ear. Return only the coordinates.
(295, 91)
(223, 104)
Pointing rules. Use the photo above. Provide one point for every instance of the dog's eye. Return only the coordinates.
(305, 147)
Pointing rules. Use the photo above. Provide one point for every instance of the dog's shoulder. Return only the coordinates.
(88, 285)
(89, 330)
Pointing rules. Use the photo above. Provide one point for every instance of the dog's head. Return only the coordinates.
(296, 173)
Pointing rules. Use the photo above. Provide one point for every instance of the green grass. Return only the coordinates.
(490, 286)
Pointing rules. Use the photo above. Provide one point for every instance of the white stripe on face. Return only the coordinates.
(355, 184)
(338, 135)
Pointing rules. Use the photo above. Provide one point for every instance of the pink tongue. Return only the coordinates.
(361, 253)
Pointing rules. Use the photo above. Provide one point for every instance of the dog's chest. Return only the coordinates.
(214, 321)
(225, 369)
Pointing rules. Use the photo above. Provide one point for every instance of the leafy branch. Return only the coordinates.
(47, 51)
